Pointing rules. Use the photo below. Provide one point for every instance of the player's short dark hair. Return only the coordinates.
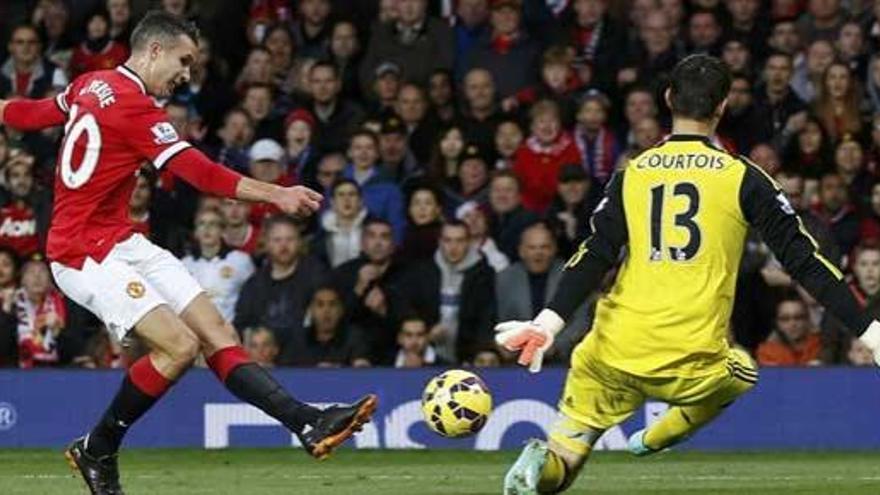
(162, 26)
(698, 84)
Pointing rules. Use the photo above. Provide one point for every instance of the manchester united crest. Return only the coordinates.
(227, 272)
(135, 290)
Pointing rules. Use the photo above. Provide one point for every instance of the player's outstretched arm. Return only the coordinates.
(767, 209)
(582, 275)
(207, 176)
(31, 115)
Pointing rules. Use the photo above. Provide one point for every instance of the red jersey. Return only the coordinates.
(112, 127)
(18, 229)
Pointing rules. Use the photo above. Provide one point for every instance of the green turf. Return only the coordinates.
(273, 471)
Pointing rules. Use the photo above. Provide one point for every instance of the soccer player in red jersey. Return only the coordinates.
(112, 124)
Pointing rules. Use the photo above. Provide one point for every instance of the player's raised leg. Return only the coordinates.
(173, 347)
(251, 383)
(682, 421)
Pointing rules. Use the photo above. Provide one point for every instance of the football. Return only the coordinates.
(456, 403)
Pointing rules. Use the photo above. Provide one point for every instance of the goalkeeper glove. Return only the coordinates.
(530, 338)
(871, 339)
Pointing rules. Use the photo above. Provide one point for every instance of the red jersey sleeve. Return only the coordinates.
(146, 128)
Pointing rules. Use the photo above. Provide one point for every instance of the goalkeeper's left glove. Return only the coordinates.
(530, 338)
(871, 339)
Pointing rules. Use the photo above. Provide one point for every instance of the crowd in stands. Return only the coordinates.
(461, 146)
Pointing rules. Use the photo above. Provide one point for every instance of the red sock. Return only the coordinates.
(224, 361)
(147, 378)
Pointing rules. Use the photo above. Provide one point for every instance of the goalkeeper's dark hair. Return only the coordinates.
(161, 26)
(698, 85)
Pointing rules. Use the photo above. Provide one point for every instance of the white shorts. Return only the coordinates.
(135, 277)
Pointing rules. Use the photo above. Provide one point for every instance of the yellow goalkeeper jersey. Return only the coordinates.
(686, 206)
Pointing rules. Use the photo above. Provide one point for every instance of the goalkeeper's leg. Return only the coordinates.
(680, 422)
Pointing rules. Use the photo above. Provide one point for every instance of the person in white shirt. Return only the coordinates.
(220, 270)
(339, 238)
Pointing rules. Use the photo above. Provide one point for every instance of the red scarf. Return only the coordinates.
(502, 44)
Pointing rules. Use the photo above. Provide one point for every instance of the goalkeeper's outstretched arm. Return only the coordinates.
(766, 208)
(582, 275)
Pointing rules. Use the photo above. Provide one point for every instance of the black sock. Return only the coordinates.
(129, 404)
(253, 384)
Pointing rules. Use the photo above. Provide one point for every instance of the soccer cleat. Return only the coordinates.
(101, 474)
(335, 425)
(522, 478)
(636, 444)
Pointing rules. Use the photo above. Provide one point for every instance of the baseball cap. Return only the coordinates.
(387, 68)
(266, 149)
(391, 124)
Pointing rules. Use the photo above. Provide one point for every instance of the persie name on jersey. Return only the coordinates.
(681, 161)
(101, 90)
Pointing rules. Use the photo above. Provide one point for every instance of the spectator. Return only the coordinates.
(742, 117)
(398, 161)
(850, 45)
(655, 53)
(239, 232)
(235, 137)
(370, 286)
(529, 284)
(139, 205)
(454, 294)
(41, 314)
(330, 170)
(487, 358)
(704, 32)
(645, 134)
(345, 53)
(337, 118)
(822, 20)
(421, 129)
(98, 51)
(311, 32)
(508, 216)
(257, 69)
(470, 25)
(279, 43)
(793, 186)
(792, 342)
(26, 73)
(120, 20)
(382, 197)
(638, 105)
(480, 115)
(8, 331)
(258, 101)
(339, 237)
(543, 153)
(596, 144)
(261, 346)
(221, 271)
(837, 104)
(266, 155)
(849, 163)
(865, 286)
(784, 114)
(784, 37)
(507, 52)
(809, 73)
(745, 24)
(329, 342)
(569, 214)
(386, 87)
(471, 181)
(425, 215)
(596, 37)
(24, 216)
(441, 95)
(508, 138)
(810, 153)
(736, 55)
(300, 155)
(52, 19)
(414, 348)
(558, 83)
(443, 166)
(476, 217)
(837, 212)
(276, 296)
(415, 42)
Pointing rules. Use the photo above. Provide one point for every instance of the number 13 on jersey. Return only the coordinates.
(676, 206)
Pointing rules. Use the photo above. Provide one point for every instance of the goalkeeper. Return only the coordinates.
(682, 210)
